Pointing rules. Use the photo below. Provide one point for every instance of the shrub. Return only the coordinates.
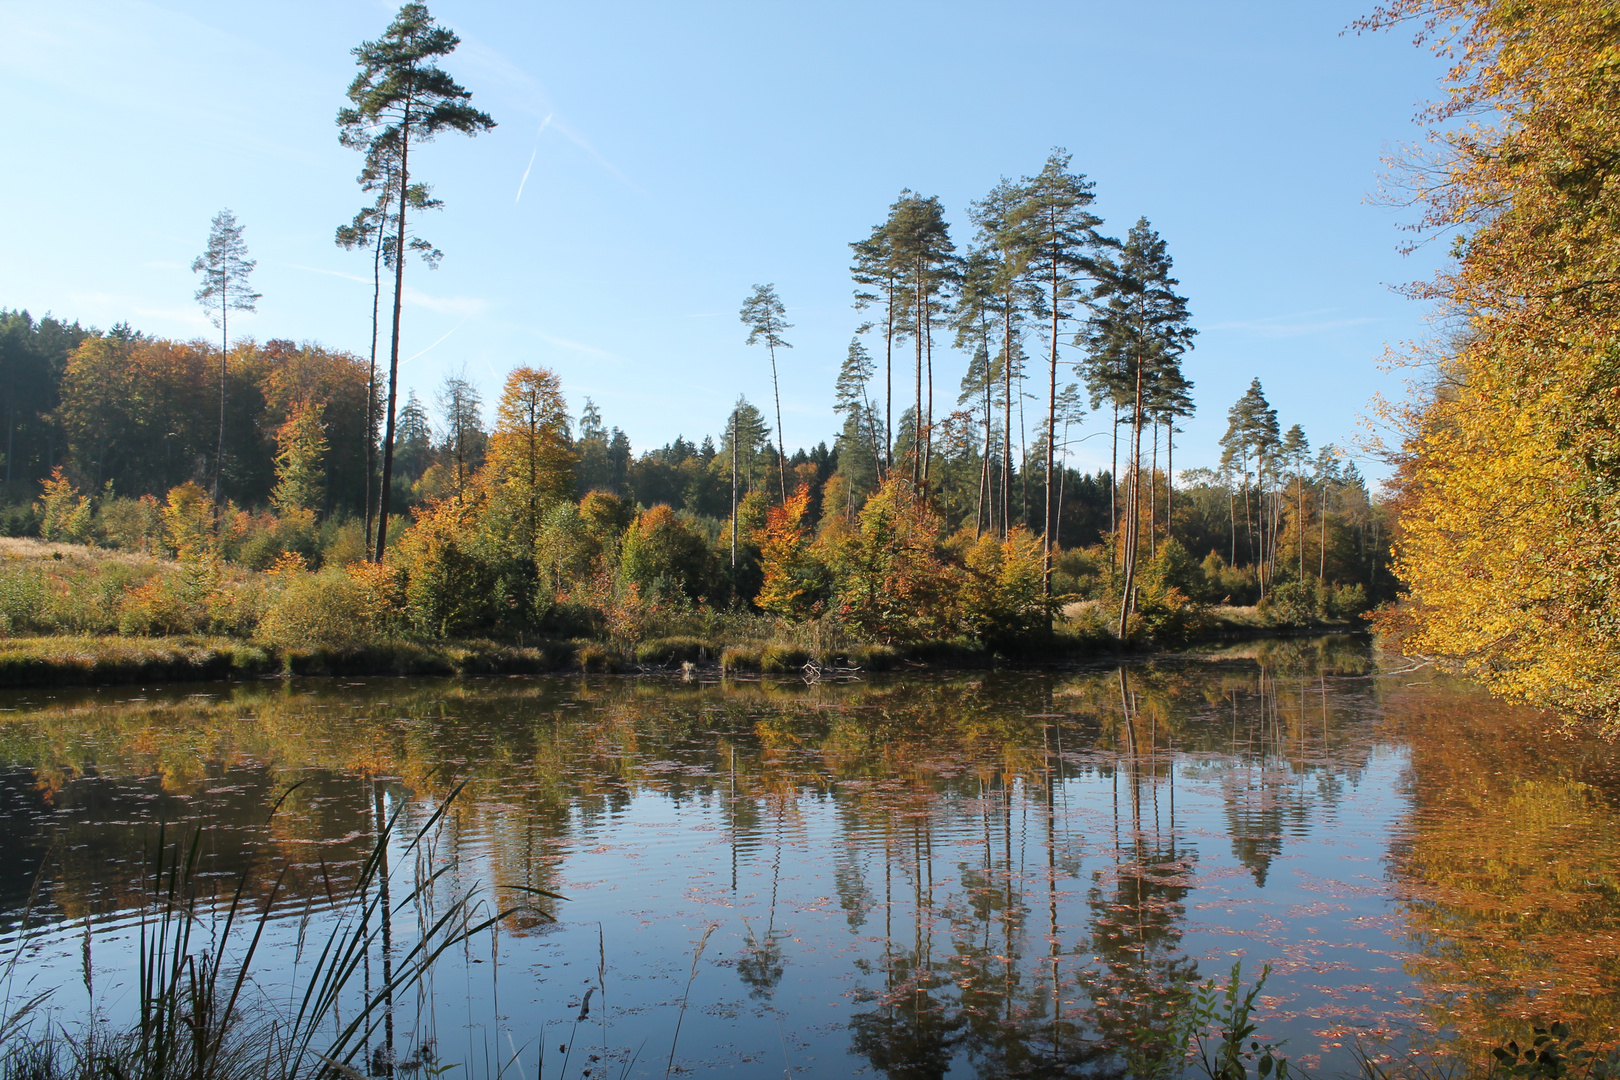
(188, 522)
(1292, 603)
(168, 603)
(64, 513)
(1002, 594)
(329, 610)
(131, 524)
(22, 600)
(594, 657)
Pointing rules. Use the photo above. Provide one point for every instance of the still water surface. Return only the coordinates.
(992, 874)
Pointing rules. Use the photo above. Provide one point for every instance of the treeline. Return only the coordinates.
(540, 524)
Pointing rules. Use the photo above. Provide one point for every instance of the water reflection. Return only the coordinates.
(1008, 874)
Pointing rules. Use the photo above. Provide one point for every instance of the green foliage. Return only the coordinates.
(22, 600)
(664, 555)
(1553, 1053)
(1210, 1027)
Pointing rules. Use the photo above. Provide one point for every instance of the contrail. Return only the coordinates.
(532, 154)
(435, 345)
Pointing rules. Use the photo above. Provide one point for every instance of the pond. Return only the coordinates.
(992, 874)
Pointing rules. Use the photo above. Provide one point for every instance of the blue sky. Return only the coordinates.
(654, 160)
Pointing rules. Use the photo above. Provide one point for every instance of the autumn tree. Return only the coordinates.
(301, 446)
(763, 314)
(399, 99)
(225, 270)
(529, 459)
(1509, 490)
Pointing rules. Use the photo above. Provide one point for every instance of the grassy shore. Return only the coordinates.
(111, 659)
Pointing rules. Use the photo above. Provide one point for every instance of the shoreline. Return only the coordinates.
(111, 660)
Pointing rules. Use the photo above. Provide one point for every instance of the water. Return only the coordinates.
(989, 874)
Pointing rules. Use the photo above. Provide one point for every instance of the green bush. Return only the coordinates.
(1345, 601)
(131, 524)
(22, 600)
(167, 603)
(328, 610)
(1292, 603)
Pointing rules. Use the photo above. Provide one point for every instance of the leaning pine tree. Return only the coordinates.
(401, 98)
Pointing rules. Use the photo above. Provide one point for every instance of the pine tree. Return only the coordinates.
(226, 269)
(1252, 433)
(1052, 219)
(401, 98)
(1135, 343)
(924, 258)
(1007, 250)
(762, 312)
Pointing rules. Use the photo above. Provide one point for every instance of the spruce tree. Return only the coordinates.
(924, 258)
(400, 99)
(226, 269)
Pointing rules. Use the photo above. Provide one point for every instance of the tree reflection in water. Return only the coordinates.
(1006, 874)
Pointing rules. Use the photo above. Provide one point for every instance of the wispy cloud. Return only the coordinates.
(330, 273)
(160, 265)
(575, 346)
(466, 306)
(1299, 324)
(704, 315)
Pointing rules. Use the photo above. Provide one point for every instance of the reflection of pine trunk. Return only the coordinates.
(385, 906)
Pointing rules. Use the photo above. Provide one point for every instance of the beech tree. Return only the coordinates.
(226, 269)
(401, 98)
(762, 312)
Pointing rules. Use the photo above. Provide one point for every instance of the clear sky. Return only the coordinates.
(654, 160)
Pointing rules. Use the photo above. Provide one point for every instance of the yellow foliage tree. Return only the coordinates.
(1509, 492)
(529, 462)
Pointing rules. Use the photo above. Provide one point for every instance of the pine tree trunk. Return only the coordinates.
(224, 344)
(371, 377)
(384, 496)
(781, 447)
(1048, 525)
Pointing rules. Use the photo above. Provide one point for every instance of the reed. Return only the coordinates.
(193, 1023)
